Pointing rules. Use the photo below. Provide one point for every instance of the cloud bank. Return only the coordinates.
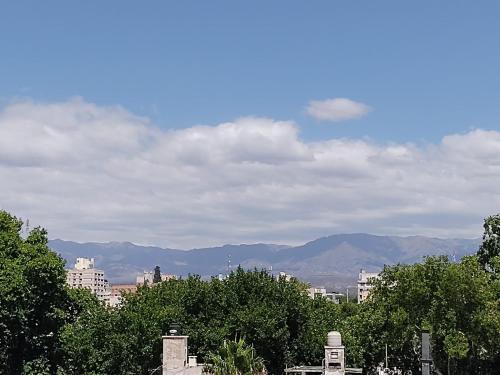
(92, 173)
(338, 109)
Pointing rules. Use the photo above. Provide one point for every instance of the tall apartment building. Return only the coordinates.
(84, 275)
(364, 284)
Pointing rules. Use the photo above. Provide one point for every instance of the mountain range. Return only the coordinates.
(332, 261)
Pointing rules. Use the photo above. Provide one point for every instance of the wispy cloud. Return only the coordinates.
(337, 109)
(88, 172)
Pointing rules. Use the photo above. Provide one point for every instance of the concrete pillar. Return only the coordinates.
(426, 359)
(334, 361)
(175, 353)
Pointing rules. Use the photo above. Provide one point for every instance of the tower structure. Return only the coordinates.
(175, 352)
(334, 354)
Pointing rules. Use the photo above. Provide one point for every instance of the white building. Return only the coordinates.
(318, 292)
(364, 284)
(284, 275)
(84, 275)
(145, 278)
(148, 276)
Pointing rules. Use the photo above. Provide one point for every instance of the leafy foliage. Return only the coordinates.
(275, 316)
(34, 301)
(456, 301)
(235, 358)
(490, 249)
(47, 329)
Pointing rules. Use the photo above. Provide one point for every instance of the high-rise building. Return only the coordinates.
(364, 284)
(84, 275)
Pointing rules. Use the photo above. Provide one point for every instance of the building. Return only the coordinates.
(318, 292)
(147, 278)
(85, 275)
(117, 292)
(175, 358)
(364, 284)
(284, 275)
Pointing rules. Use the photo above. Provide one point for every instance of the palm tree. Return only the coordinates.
(235, 358)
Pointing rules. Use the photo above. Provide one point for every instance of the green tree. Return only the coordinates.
(86, 349)
(490, 247)
(456, 346)
(274, 316)
(456, 301)
(235, 358)
(34, 301)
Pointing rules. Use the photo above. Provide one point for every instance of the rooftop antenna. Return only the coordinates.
(228, 264)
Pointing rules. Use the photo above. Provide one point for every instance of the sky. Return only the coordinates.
(197, 123)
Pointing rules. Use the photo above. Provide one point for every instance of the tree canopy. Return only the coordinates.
(34, 301)
(275, 316)
(46, 328)
(490, 248)
(235, 358)
(457, 302)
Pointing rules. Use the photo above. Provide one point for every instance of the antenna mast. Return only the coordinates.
(228, 264)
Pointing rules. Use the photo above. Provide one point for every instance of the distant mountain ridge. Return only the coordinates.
(333, 261)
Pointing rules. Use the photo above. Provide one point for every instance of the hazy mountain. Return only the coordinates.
(332, 261)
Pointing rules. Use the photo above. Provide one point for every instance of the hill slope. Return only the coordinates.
(334, 260)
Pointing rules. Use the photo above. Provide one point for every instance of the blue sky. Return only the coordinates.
(426, 68)
(321, 117)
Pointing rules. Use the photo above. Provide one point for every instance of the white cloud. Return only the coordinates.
(94, 173)
(337, 109)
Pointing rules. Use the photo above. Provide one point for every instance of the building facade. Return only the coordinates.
(318, 292)
(117, 292)
(147, 278)
(85, 275)
(364, 284)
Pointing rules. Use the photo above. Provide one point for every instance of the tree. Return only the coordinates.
(274, 316)
(235, 358)
(34, 301)
(457, 302)
(157, 275)
(456, 346)
(490, 247)
(87, 348)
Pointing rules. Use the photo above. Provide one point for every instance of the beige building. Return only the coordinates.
(84, 275)
(318, 292)
(364, 284)
(117, 292)
(175, 359)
